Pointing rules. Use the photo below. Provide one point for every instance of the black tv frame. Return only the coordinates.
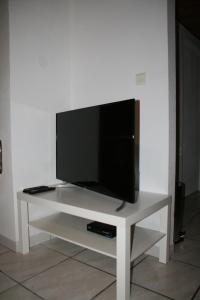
(136, 118)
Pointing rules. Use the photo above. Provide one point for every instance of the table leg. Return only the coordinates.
(165, 228)
(23, 227)
(123, 262)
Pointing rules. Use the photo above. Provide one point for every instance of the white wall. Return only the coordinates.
(111, 41)
(189, 162)
(39, 55)
(79, 53)
(7, 226)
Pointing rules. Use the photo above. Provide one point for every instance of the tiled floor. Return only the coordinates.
(58, 270)
(192, 208)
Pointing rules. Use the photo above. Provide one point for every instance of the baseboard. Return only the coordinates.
(34, 240)
(10, 244)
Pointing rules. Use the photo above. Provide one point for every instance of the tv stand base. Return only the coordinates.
(74, 209)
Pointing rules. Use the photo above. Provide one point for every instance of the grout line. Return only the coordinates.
(7, 275)
(22, 282)
(155, 292)
(133, 267)
(6, 251)
(134, 284)
(10, 286)
(73, 258)
(67, 258)
(103, 290)
(32, 292)
(6, 290)
(94, 267)
(60, 262)
(78, 253)
(193, 297)
(146, 256)
(17, 284)
(185, 263)
(58, 251)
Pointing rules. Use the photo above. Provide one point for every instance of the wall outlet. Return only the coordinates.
(141, 79)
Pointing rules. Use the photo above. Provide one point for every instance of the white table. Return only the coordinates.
(75, 207)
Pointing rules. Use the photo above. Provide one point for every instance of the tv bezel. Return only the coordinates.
(135, 153)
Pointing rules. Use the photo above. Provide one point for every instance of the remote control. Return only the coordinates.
(38, 189)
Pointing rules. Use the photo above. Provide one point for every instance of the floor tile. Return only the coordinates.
(193, 227)
(175, 279)
(197, 297)
(3, 249)
(137, 293)
(21, 267)
(5, 282)
(98, 260)
(192, 206)
(64, 247)
(101, 261)
(69, 280)
(18, 292)
(188, 251)
(139, 259)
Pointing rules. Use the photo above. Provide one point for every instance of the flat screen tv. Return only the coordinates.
(96, 149)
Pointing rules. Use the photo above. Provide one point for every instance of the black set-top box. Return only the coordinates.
(106, 230)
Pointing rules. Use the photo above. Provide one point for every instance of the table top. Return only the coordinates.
(88, 204)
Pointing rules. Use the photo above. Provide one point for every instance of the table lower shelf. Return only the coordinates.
(74, 229)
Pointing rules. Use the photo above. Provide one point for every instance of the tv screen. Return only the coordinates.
(95, 148)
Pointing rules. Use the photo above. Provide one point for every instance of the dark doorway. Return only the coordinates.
(187, 203)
